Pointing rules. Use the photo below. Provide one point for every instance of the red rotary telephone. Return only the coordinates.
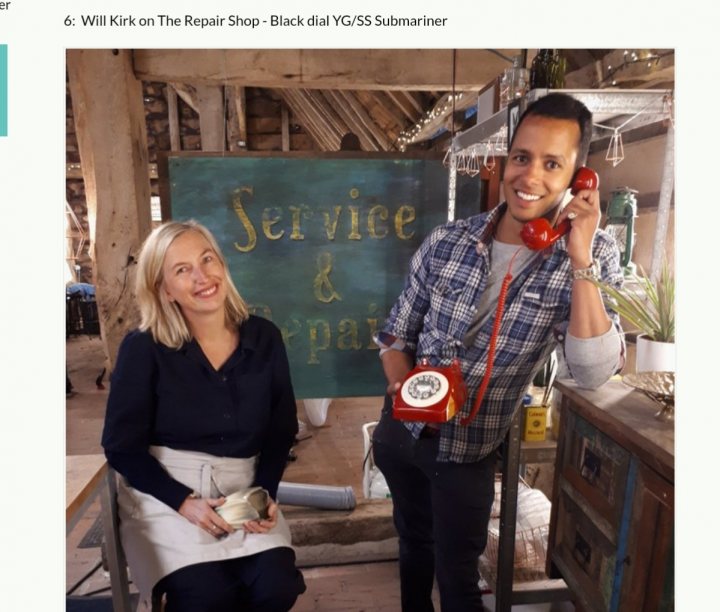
(435, 394)
(430, 393)
(539, 234)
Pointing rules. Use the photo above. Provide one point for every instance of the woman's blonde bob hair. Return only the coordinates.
(160, 316)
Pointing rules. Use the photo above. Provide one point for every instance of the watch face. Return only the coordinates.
(424, 389)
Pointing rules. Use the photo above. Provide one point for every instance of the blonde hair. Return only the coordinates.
(158, 314)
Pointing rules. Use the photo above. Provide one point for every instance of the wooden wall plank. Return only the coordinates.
(285, 128)
(173, 119)
(241, 109)
(211, 110)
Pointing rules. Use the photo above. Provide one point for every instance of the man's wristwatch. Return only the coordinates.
(591, 273)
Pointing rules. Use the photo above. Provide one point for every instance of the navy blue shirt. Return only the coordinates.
(174, 397)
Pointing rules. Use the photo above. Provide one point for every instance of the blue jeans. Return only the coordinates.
(441, 512)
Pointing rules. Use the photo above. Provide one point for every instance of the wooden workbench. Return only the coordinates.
(86, 477)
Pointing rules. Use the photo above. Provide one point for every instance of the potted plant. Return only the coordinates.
(649, 307)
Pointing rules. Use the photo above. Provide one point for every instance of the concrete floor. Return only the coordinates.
(331, 456)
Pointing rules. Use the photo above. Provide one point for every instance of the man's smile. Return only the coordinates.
(527, 197)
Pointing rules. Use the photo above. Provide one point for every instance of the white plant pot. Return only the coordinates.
(651, 356)
(316, 410)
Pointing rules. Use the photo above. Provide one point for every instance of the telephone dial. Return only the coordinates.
(435, 394)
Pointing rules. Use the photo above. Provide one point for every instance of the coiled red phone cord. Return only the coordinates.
(493, 341)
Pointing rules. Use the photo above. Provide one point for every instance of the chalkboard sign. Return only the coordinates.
(318, 245)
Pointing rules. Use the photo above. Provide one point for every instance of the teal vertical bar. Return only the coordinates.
(3, 91)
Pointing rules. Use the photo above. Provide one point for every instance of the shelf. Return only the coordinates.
(542, 451)
(482, 132)
(610, 107)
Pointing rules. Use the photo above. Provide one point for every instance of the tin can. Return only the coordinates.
(535, 423)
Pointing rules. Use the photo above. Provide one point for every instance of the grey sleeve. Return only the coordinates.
(592, 361)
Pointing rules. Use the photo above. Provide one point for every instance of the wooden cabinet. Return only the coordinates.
(611, 528)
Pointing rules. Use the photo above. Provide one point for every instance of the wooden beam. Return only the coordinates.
(366, 120)
(75, 171)
(173, 119)
(285, 129)
(112, 141)
(235, 120)
(399, 69)
(307, 120)
(187, 94)
(402, 103)
(232, 139)
(331, 132)
(391, 108)
(241, 109)
(211, 110)
(414, 101)
(377, 108)
(352, 120)
(441, 115)
(327, 111)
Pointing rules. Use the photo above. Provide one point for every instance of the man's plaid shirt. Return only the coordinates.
(447, 276)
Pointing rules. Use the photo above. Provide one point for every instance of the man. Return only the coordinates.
(441, 476)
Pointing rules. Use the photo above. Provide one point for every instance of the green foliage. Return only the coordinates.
(649, 306)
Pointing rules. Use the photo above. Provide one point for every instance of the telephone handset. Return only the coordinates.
(539, 234)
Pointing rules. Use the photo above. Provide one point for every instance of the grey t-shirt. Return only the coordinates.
(591, 361)
(500, 255)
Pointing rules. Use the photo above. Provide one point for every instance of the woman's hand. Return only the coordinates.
(263, 525)
(200, 511)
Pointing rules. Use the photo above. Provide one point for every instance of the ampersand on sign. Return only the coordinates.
(324, 291)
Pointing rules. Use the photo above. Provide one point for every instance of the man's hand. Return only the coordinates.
(396, 365)
(583, 212)
(200, 511)
(393, 388)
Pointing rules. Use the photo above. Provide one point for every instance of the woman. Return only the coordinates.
(201, 405)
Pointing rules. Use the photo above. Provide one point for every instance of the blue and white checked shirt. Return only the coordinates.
(448, 274)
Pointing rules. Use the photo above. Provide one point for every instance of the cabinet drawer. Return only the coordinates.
(584, 552)
(596, 466)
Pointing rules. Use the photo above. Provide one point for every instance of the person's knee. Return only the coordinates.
(277, 583)
(197, 597)
(198, 588)
(281, 599)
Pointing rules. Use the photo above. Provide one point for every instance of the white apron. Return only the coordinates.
(157, 540)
